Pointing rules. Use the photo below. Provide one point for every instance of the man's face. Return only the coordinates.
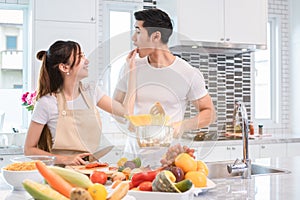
(142, 40)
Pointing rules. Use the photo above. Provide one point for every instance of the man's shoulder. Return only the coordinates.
(183, 63)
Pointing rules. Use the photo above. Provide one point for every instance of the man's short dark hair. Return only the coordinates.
(156, 20)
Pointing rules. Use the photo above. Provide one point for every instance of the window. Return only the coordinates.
(267, 79)
(13, 65)
(119, 20)
(11, 42)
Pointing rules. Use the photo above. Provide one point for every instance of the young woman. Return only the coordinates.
(65, 121)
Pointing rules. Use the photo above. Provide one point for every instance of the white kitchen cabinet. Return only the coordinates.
(58, 20)
(213, 153)
(293, 149)
(272, 150)
(223, 22)
(220, 153)
(226, 152)
(66, 10)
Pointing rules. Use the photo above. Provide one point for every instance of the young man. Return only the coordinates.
(164, 78)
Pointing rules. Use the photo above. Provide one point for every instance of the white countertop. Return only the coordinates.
(266, 187)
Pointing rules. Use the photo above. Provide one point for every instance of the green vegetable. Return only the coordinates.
(137, 161)
(164, 182)
(184, 185)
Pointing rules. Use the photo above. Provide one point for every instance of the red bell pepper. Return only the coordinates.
(140, 177)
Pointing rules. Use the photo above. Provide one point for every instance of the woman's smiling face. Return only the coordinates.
(80, 69)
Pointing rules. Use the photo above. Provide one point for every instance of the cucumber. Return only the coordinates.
(184, 185)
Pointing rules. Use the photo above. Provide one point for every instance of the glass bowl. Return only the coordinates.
(154, 136)
(48, 160)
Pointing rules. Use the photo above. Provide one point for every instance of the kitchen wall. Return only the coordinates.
(228, 78)
(295, 63)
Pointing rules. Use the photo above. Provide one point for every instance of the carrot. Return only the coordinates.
(54, 180)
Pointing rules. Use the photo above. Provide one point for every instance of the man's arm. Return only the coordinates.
(205, 117)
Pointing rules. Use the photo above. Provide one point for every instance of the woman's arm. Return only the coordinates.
(126, 107)
(31, 142)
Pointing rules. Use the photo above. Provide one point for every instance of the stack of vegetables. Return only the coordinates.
(63, 184)
(178, 174)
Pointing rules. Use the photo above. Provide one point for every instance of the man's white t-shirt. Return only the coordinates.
(173, 86)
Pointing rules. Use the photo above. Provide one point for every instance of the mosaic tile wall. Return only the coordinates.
(228, 78)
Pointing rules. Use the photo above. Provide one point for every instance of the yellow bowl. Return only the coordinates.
(140, 120)
(148, 119)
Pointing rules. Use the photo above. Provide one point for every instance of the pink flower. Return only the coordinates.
(28, 100)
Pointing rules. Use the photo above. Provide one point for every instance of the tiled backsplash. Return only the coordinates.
(228, 78)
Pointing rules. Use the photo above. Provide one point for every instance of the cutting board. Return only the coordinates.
(82, 169)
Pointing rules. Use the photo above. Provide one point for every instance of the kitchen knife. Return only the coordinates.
(100, 153)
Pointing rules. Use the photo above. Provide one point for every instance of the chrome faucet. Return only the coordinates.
(241, 118)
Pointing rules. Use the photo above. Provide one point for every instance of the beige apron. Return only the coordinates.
(77, 131)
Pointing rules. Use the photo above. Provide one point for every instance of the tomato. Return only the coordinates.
(145, 186)
(143, 176)
(98, 177)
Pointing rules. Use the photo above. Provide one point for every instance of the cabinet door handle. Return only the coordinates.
(228, 148)
(233, 148)
(92, 19)
(222, 39)
(227, 39)
(263, 146)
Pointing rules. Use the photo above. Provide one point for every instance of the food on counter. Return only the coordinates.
(75, 178)
(98, 191)
(164, 182)
(184, 185)
(201, 166)
(21, 166)
(138, 178)
(177, 171)
(118, 176)
(186, 162)
(121, 161)
(42, 191)
(145, 186)
(98, 177)
(173, 152)
(54, 180)
(119, 192)
(198, 178)
(95, 165)
(80, 193)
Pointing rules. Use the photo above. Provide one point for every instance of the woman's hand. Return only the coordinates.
(76, 159)
(131, 59)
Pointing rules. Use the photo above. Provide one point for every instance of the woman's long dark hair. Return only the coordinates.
(51, 79)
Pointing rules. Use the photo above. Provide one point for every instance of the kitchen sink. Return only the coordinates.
(219, 170)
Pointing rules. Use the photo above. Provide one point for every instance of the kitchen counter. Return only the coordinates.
(265, 139)
(266, 187)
